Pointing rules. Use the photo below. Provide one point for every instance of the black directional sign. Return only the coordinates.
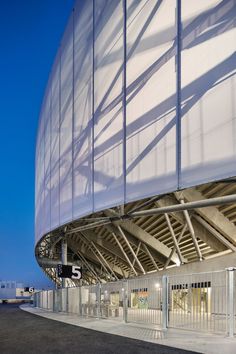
(67, 271)
(29, 289)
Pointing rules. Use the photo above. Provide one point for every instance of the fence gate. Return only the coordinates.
(145, 300)
(198, 301)
(74, 300)
(90, 299)
(112, 300)
(234, 303)
(50, 300)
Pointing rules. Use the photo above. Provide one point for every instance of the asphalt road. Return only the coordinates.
(22, 332)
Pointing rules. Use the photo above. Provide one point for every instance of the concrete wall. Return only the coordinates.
(209, 265)
(7, 293)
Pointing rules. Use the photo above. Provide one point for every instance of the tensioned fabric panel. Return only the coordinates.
(47, 159)
(66, 118)
(83, 100)
(93, 151)
(208, 91)
(36, 191)
(151, 98)
(41, 179)
(55, 152)
(108, 109)
(37, 186)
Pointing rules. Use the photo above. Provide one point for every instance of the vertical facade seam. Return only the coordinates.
(178, 98)
(73, 110)
(124, 96)
(59, 133)
(50, 161)
(93, 118)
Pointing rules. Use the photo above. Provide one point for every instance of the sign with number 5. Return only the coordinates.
(67, 271)
(76, 272)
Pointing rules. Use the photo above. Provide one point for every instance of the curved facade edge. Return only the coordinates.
(139, 102)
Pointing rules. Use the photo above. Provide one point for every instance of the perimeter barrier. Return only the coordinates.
(200, 301)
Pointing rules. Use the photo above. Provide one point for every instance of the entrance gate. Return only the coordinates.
(145, 300)
(198, 301)
(202, 301)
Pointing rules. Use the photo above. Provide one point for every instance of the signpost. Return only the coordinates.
(67, 271)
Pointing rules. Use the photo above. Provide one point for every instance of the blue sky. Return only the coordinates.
(30, 33)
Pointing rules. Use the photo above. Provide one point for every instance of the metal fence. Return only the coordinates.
(198, 301)
(201, 301)
(145, 300)
(234, 305)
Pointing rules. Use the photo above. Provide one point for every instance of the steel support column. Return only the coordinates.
(122, 250)
(151, 257)
(173, 249)
(104, 260)
(174, 239)
(164, 302)
(228, 199)
(131, 249)
(64, 258)
(230, 301)
(192, 233)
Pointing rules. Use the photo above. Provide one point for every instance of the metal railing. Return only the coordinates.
(200, 301)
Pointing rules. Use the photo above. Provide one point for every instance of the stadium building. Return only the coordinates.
(136, 159)
(12, 291)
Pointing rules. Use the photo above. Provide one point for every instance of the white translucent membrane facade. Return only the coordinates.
(140, 101)
(208, 95)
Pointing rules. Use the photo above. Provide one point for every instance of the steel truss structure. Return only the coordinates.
(146, 236)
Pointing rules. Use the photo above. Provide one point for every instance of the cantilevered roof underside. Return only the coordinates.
(112, 244)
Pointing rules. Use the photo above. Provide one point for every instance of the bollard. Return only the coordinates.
(125, 301)
(230, 301)
(99, 313)
(164, 302)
